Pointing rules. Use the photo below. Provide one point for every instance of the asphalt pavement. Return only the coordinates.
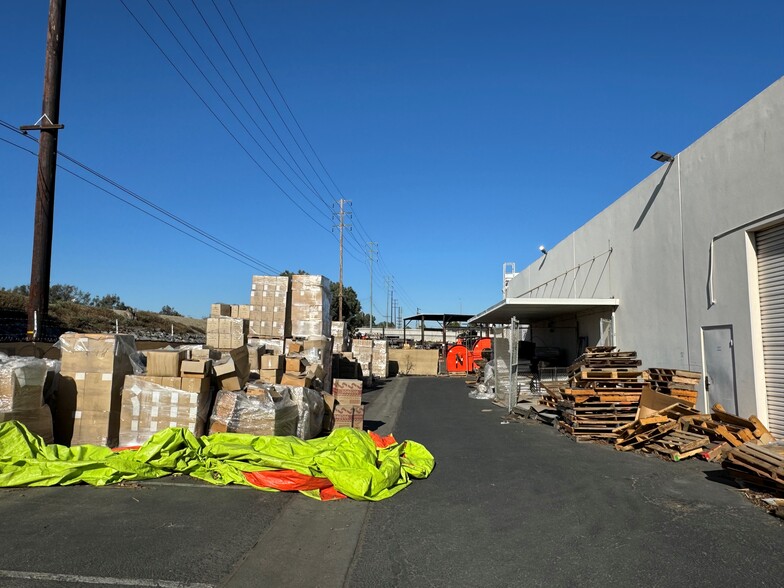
(508, 504)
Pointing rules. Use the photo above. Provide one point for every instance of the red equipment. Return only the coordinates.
(460, 360)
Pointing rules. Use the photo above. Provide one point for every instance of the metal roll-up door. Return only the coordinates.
(770, 263)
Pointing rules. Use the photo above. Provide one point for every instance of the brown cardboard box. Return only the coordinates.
(218, 309)
(315, 372)
(273, 362)
(196, 385)
(254, 357)
(196, 367)
(295, 380)
(205, 353)
(239, 355)
(270, 376)
(244, 311)
(348, 416)
(294, 365)
(22, 382)
(171, 382)
(97, 353)
(294, 346)
(165, 362)
(96, 428)
(347, 392)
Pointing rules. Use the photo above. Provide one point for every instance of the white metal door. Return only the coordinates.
(770, 266)
(719, 361)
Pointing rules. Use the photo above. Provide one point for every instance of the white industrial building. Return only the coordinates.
(687, 268)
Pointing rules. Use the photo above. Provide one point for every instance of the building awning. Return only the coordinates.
(530, 310)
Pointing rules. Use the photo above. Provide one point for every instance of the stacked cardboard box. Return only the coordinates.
(363, 354)
(380, 359)
(256, 413)
(344, 405)
(219, 309)
(22, 382)
(234, 370)
(270, 297)
(226, 332)
(165, 362)
(149, 406)
(310, 306)
(339, 336)
(272, 368)
(90, 389)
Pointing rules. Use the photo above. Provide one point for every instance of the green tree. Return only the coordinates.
(352, 309)
(68, 293)
(169, 311)
(109, 301)
(290, 273)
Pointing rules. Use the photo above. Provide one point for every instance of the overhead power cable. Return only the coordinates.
(217, 70)
(220, 121)
(254, 262)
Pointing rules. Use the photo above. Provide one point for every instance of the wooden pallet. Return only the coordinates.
(766, 461)
(643, 431)
(717, 431)
(678, 445)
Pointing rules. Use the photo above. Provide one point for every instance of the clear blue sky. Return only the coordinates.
(465, 134)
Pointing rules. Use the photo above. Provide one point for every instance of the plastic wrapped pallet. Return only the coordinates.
(380, 359)
(22, 382)
(311, 412)
(310, 306)
(148, 407)
(339, 336)
(89, 394)
(269, 312)
(255, 414)
(100, 353)
(363, 354)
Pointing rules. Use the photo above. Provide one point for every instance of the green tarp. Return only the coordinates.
(348, 458)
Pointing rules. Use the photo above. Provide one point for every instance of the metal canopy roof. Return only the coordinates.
(528, 310)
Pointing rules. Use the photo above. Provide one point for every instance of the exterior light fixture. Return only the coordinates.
(662, 156)
(542, 249)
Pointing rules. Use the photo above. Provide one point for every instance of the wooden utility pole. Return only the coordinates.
(341, 225)
(49, 126)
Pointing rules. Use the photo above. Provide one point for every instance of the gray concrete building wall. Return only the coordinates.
(651, 249)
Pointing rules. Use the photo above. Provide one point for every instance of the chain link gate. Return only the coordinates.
(505, 344)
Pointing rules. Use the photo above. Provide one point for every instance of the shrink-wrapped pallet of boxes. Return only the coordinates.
(149, 406)
(269, 315)
(380, 367)
(258, 412)
(22, 382)
(363, 354)
(89, 395)
(339, 336)
(310, 306)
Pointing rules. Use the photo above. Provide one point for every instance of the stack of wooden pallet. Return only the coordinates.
(678, 383)
(758, 465)
(603, 394)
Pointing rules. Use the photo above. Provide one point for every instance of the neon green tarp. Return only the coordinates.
(348, 458)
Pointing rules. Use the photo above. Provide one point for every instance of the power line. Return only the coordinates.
(299, 176)
(274, 106)
(220, 121)
(257, 263)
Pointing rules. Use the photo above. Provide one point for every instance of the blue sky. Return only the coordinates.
(464, 133)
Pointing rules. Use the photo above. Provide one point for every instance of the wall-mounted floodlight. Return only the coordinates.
(542, 249)
(663, 157)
